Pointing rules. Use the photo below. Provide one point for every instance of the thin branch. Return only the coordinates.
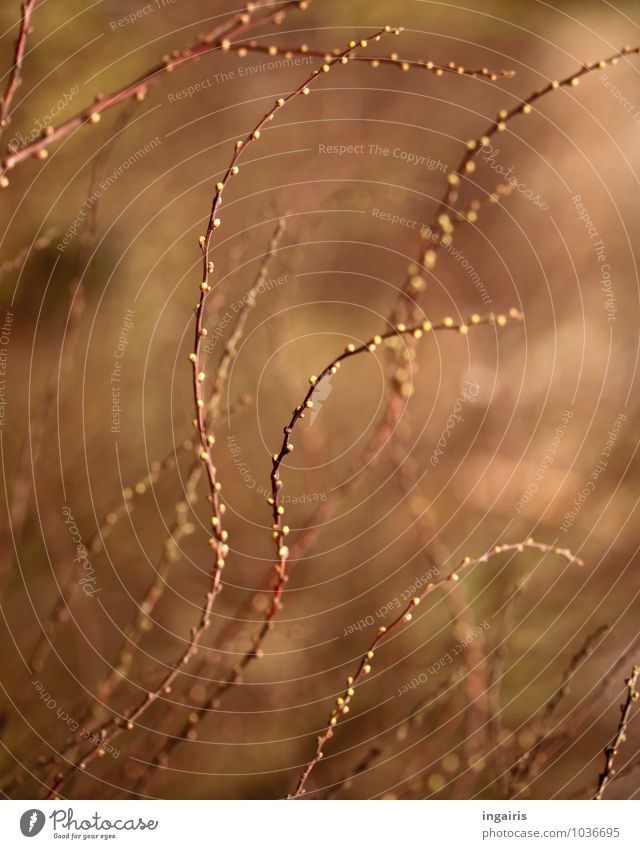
(106, 525)
(565, 730)
(18, 261)
(15, 75)
(404, 617)
(631, 768)
(496, 673)
(525, 766)
(179, 527)
(113, 728)
(412, 720)
(137, 89)
(471, 655)
(393, 60)
(439, 234)
(280, 531)
(95, 545)
(218, 540)
(33, 441)
(384, 427)
(611, 750)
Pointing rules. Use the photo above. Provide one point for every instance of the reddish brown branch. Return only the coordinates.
(15, 77)
(137, 89)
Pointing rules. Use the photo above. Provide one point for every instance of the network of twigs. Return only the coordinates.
(406, 325)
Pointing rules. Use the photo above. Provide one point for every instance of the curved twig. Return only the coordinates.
(405, 616)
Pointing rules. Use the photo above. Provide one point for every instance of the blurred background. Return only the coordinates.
(100, 268)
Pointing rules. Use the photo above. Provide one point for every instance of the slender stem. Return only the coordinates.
(611, 750)
(15, 77)
(393, 60)
(526, 765)
(565, 729)
(280, 530)
(218, 541)
(143, 621)
(215, 40)
(382, 634)
(440, 233)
